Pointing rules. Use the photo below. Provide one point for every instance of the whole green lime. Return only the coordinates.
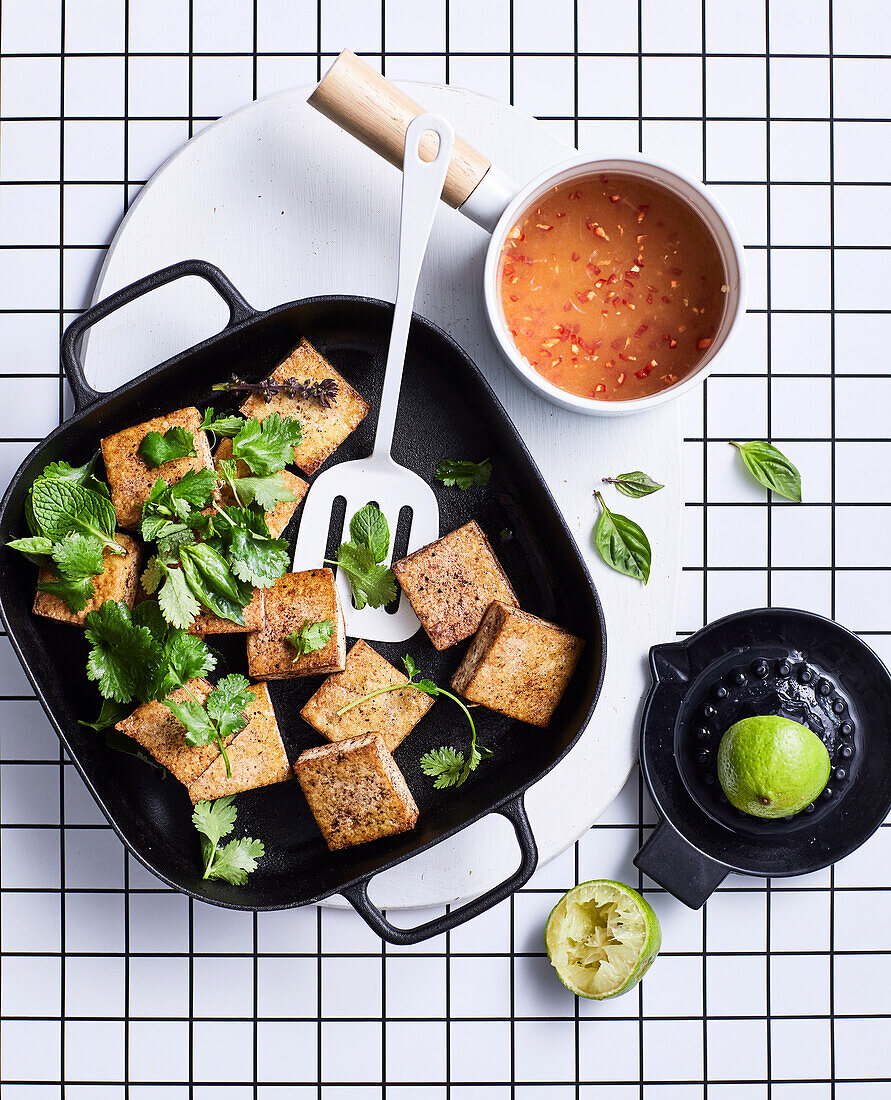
(771, 766)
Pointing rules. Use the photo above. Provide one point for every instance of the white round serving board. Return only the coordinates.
(289, 206)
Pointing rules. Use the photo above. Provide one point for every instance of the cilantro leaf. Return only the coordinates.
(234, 862)
(371, 582)
(176, 600)
(369, 527)
(310, 637)
(120, 651)
(215, 819)
(79, 556)
(200, 729)
(463, 474)
(445, 764)
(257, 560)
(156, 449)
(184, 657)
(75, 591)
(267, 445)
(267, 492)
(224, 425)
(154, 573)
(227, 703)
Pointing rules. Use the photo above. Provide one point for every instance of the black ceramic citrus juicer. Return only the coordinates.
(770, 661)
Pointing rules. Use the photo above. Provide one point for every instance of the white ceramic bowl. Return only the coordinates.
(685, 188)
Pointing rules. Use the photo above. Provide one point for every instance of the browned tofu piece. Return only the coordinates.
(324, 429)
(161, 733)
(294, 599)
(451, 582)
(355, 791)
(257, 757)
(518, 665)
(208, 623)
(130, 478)
(279, 518)
(119, 581)
(394, 714)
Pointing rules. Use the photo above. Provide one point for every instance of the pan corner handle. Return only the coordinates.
(684, 871)
(357, 893)
(84, 394)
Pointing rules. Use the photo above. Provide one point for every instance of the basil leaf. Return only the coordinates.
(61, 507)
(771, 468)
(219, 605)
(369, 527)
(224, 425)
(622, 544)
(636, 484)
(156, 449)
(214, 569)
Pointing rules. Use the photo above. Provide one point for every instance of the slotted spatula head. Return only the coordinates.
(391, 487)
(378, 478)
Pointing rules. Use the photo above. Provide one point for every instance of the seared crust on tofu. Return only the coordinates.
(451, 583)
(355, 791)
(162, 734)
(279, 518)
(394, 714)
(130, 479)
(294, 599)
(119, 581)
(518, 665)
(208, 623)
(257, 757)
(324, 429)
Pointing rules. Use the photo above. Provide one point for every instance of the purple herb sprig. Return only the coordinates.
(324, 390)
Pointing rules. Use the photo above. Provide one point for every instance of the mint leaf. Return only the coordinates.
(156, 449)
(463, 474)
(61, 507)
(310, 637)
(267, 445)
(37, 549)
(369, 527)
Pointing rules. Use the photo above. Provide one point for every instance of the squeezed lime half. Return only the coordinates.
(601, 937)
(769, 766)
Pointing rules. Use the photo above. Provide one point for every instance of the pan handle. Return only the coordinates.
(357, 894)
(673, 862)
(84, 394)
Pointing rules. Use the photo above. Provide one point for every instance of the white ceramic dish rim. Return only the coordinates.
(686, 188)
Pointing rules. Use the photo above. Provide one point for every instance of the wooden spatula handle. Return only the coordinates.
(376, 112)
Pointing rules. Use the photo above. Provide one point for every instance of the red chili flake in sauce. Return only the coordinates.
(575, 195)
(641, 213)
(600, 388)
(641, 330)
(666, 300)
(641, 238)
(515, 297)
(703, 342)
(627, 358)
(517, 234)
(585, 295)
(672, 343)
(575, 257)
(610, 363)
(643, 372)
(614, 198)
(543, 225)
(560, 214)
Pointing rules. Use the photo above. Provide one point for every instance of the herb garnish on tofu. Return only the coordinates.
(446, 764)
(361, 559)
(221, 714)
(310, 637)
(462, 474)
(156, 449)
(323, 390)
(233, 862)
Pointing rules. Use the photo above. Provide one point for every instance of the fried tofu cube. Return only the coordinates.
(355, 791)
(257, 756)
(451, 583)
(518, 665)
(296, 599)
(119, 581)
(324, 429)
(279, 518)
(130, 478)
(161, 733)
(206, 622)
(395, 713)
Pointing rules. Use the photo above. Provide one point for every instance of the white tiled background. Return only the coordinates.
(114, 987)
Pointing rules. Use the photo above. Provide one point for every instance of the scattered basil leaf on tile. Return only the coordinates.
(771, 468)
(622, 544)
(635, 484)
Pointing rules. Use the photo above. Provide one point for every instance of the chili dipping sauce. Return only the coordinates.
(612, 287)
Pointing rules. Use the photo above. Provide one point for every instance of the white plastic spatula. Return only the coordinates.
(378, 478)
